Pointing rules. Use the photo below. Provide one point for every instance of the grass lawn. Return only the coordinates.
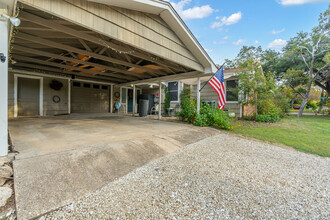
(309, 133)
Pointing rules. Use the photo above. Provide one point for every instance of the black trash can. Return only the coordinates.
(143, 107)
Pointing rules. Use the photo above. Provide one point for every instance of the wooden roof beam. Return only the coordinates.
(42, 62)
(75, 60)
(47, 23)
(49, 43)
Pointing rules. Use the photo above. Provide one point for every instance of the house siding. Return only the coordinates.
(49, 107)
(208, 94)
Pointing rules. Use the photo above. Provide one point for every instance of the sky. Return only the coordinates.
(224, 26)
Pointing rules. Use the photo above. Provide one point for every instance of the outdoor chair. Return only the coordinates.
(155, 109)
(119, 107)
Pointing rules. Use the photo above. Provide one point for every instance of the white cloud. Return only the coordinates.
(278, 43)
(220, 42)
(226, 37)
(209, 50)
(256, 42)
(239, 42)
(277, 32)
(298, 2)
(232, 19)
(192, 13)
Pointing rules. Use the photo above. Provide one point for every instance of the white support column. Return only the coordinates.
(198, 94)
(134, 100)
(41, 97)
(4, 89)
(69, 96)
(111, 98)
(160, 101)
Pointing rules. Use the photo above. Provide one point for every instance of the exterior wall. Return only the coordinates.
(208, 93)
(49, 107)
(138, 29)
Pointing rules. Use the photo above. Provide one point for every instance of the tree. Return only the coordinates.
(309, 50)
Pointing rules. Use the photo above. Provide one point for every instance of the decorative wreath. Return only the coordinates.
(56, 85)
(117, 94)
(56, 99)
(130, 95)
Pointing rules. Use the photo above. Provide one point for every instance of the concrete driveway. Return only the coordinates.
(65, 157)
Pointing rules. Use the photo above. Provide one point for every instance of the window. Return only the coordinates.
(76, 84)
(123, 95)
(87, 85)
(105, 87)
(231, 94)
(173, 89)
(96, 86)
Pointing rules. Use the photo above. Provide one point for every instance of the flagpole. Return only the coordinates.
(212, 76)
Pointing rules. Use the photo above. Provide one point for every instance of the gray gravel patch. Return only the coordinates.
(224, 176)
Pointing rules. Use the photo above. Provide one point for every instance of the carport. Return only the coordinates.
(75, 56)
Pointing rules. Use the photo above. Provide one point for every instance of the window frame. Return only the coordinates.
(179, 91)
(226, 91)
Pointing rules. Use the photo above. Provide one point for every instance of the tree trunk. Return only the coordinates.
(304, 101)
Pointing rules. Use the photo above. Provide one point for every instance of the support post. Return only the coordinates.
(69, 96)
(134, 99)
(198, 94)
(160, 101)
(111, 98)
(4, 88)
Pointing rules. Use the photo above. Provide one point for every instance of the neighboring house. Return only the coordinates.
(83, 56)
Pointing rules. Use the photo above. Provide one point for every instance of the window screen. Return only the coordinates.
(123, 95)
(96, 86)
(173, 89)
(231, 93)
(105, 87)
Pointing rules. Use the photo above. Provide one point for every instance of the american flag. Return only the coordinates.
(217, 83)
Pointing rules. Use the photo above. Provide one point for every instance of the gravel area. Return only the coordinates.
(224, 176)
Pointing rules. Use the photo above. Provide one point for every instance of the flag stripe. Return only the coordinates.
(217, 83)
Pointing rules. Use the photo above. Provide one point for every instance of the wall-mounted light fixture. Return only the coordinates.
(15, 21)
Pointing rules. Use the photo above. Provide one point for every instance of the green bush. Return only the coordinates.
(188, 106)
(222, 120)
(311, 104)
(201, 120)
(213, 117)
(167, 100)
(272, 117)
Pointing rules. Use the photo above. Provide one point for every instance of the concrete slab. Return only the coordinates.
(63, 158)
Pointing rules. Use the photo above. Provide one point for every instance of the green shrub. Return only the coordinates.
(272, 117)
(201, 120)
(213, 117)
(188, 106)
(222, 120)
(311, 104)
(167, 104)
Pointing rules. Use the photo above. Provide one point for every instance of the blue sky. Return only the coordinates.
(224, 26)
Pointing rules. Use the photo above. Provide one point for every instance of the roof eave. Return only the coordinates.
(166, 11)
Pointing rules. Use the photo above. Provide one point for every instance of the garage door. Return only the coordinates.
(89, 98)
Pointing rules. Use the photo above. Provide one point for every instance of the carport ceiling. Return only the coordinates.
(44, 43)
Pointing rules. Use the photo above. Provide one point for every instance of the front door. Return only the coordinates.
(130, 100)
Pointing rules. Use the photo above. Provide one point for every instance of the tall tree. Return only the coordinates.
(311, 49)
